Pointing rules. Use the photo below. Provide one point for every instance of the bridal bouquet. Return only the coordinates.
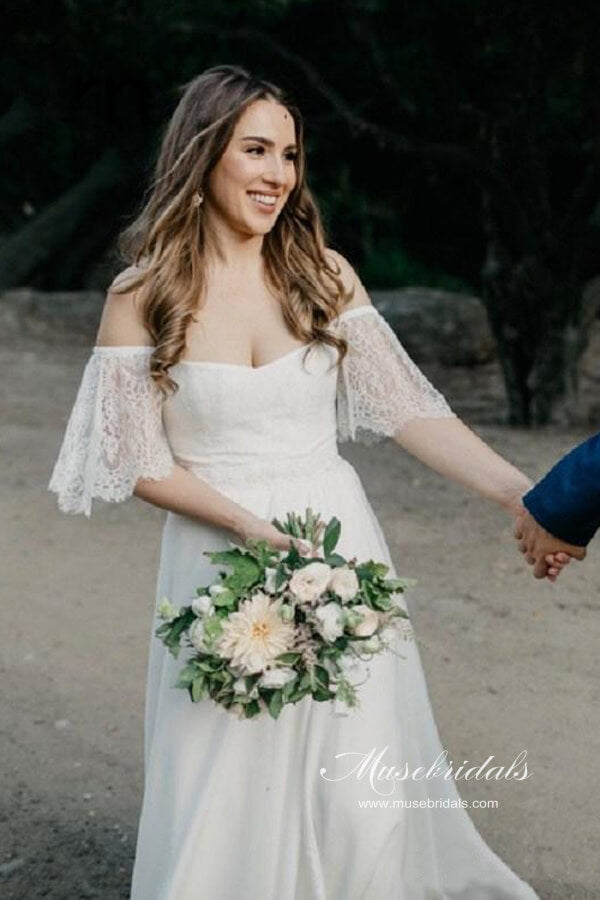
(283, 624)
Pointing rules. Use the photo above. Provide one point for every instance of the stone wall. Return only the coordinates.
(433, 325)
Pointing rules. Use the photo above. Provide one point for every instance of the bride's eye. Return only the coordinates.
(292, 155)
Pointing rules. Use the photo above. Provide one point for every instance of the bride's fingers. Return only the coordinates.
(558, 561)
(301, 546)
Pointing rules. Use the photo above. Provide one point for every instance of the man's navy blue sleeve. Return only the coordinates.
(566, 502)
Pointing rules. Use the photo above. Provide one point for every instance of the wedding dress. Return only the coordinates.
(264, 809)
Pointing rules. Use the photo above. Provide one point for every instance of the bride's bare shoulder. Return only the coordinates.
(121, 323)
(350, 280)
(127, 277)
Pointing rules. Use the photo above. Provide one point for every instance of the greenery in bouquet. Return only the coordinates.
(282, 625)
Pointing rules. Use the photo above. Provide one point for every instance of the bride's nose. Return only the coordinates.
(274, 171)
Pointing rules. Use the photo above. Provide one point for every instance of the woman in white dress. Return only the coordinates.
(232, 284)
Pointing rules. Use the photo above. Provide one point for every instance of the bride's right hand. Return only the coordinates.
(259, 529)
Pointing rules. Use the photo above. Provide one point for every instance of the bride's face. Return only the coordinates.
(259, 159)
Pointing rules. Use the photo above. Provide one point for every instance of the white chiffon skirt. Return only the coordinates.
(260, 809)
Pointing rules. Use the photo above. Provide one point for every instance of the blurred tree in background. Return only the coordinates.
(451, 143)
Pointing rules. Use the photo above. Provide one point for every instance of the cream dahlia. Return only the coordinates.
(255, 634)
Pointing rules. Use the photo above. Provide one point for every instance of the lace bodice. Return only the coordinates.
(230, 421)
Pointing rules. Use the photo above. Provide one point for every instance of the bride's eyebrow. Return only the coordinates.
(268, 142)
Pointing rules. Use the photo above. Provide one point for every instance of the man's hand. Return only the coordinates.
(546, 553)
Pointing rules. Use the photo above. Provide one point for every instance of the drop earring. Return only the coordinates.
(198, 198)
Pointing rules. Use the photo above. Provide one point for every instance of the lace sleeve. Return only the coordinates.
(380, 389)
(114, 434)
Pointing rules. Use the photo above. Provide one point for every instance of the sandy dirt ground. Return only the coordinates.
(512, 663)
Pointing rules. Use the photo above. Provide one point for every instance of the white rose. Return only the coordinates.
(344, 583)
(308, 583)
(277, 677)
(369, 623)
(330, 621)
(202, 605)
(215, 589)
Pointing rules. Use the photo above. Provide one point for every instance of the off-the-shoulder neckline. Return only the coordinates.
(117, 349)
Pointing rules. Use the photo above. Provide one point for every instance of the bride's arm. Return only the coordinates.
(449, 447)
(186, 494)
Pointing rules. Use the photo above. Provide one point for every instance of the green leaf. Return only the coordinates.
(246, 570)
(212, 626)
(252, 709)
(280, 577)
(250, 680)
(187, 675)
(297, 694)
(288, 689)
(321, 694)
(197, 688)
(293, 557)
(382, 602)
(206, 664)
(322, 675)
(335, 560)
(331, 536)
(400, 584)
(276, 703)
(305, 681)
(288, 658)
(224, 598)
(371, 570)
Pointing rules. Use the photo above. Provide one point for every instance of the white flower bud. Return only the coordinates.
(202, 605)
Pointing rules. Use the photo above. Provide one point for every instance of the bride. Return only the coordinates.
(232, 356)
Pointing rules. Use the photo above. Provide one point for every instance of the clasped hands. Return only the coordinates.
(547, 554)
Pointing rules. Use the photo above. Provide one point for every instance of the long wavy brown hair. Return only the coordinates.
(166, 240)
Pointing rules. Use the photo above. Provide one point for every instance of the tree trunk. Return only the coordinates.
(35, 244)
(541, 323)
